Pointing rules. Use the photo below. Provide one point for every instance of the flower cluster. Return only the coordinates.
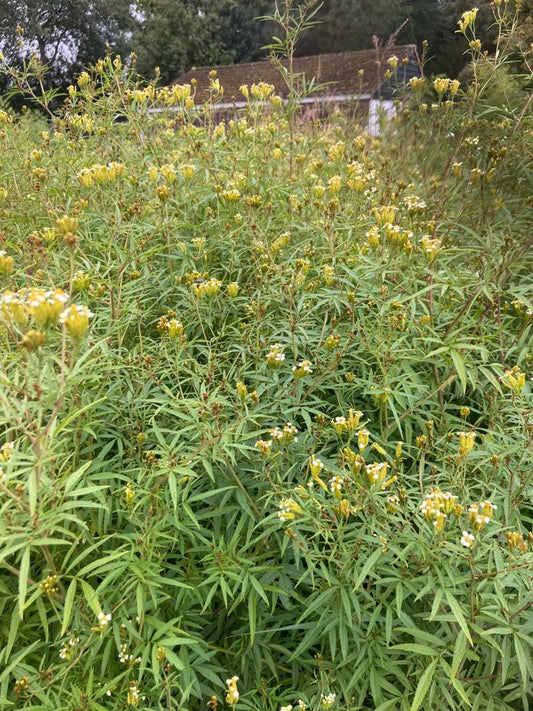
(481, 514)
(438, 505)
(75, 318)
(514, 539)
(414, 204)
(103, 622)
(377, 473)
(100, 174)
(264, 446)
(68, 648)
(134, 695)
(125, 658)
(285, 435)
(49, 585)
(275, 356)
(347, 424)
(514, 379)
(335, 486)
(170, 327)
(327, 700)
(43, 306)
(7, 264)
(288, 509)
(467, 19)
(303, 368)
(431, 247)
(6, 451)
(208, 288)
(466, 442)
(178, 94)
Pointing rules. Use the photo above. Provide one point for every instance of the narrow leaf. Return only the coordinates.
(423, 686)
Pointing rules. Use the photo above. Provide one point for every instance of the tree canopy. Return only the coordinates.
(175, 35)
(66, 35)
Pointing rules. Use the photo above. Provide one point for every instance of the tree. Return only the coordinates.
(66, 35)
(176, 35)
(348, 25)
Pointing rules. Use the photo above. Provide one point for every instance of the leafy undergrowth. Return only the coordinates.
(266, 407)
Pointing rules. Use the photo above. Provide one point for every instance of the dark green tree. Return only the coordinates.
(348, 25)
(176, 35)
(65, 35)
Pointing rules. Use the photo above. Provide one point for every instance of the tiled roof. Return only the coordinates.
(340, 73)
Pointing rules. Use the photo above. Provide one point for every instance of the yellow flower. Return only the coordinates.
(514, 379)
(466, 442)
(242, 391)
(363, 438)
(275, 356)
(233, 289)
(209, 288)
(416, 83)
(302, 369)
(385, 214)
(174, 328)
(514, 539)
(454, 87)
(187, 170)
(264, 446)
(103, 622)
(67, 224)
(467, 20)
(76, 320)
(133, 696)
(232, 693)
(288, 509)
(334, 184)
(315, 465)
(45, 306)
(335, 486)
(129, 494)
(7, 264)
(441, 85)
(32, 340)
(376, 472)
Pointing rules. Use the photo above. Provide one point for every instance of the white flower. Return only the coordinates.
(467, 539)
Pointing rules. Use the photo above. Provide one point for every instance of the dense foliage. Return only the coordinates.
(266, 404)
(175, 35)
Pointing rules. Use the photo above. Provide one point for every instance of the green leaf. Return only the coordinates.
(458, 614)
(367, 567)
(91, 597)
(24, 573)
(524, 663)
(69, 604)
(423, 686)
(458, 654)
(459, 365)
(416, 649)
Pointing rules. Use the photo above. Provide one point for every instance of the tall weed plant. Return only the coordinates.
(266, 425)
